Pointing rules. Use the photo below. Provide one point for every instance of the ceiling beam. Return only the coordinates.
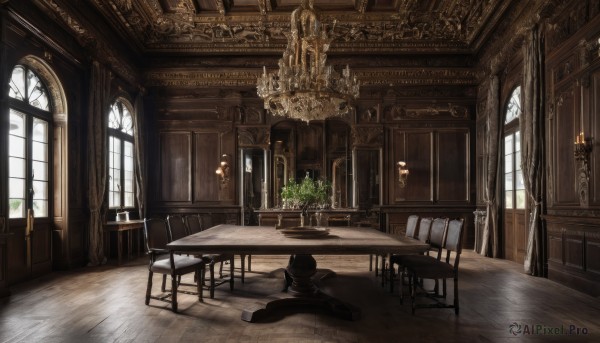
(361, 5)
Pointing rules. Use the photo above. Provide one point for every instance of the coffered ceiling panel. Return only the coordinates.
(205, 27)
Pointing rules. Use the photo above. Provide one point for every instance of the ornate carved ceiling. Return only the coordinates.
(199, 27)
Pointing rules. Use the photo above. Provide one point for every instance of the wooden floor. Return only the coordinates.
(106, 304)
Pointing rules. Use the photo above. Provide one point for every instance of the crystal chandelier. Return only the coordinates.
(305, 87)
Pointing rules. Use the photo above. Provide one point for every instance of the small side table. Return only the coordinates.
(120, 227)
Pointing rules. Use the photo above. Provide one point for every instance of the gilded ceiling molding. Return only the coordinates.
(88, 38)
(394, 77)
(446, 26)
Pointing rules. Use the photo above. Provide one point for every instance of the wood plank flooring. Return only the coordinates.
(106, 304)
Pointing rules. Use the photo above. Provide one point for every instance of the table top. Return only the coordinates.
(123, 223)
(265, 240)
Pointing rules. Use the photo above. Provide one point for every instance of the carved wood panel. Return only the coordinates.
(206, 160)
(592, 256)
(416, 149)
(453, 166)
(555, 244)
(574, 250)
(565, 132)
(594, 132)
(175, 166)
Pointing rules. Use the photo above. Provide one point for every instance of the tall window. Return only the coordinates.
(28, 144)
(514, 188)
(120, 156)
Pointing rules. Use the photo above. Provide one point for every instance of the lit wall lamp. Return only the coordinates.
(402, 173)
(223, 169)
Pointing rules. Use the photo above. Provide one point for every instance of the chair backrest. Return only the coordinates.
(411, 225)
(424, 229)
(156, 234)
(194, 223)
(437, 236)
(177, 227)
(453, 240)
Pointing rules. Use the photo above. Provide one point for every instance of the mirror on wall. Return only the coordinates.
(253, 190)
(319, 150)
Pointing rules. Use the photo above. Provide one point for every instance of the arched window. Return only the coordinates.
(29, 149)
(120, 156)
(514, 188)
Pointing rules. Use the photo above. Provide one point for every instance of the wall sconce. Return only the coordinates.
(402, 173)
(223, 169)
(583, 147)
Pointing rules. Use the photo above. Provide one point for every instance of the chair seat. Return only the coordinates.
(431, 269)
(183, 265)
(415, 260)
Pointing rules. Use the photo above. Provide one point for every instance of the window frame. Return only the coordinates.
(512, 128)
(31, 113)
(123, 137)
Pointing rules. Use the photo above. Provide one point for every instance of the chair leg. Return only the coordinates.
(221, 270)
(383, 271)
(391, 277)
(163, 287)
(376, 265)
(243, 264)
(212, 279)
(199, 281)
(174, 293)
(456, 295)
(371, 262)
(402, 284)
(231, 267)
(249, 263)
(413, 293)
(444, 288)
(149, 288)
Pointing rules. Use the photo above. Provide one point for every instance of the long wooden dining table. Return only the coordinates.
(266, 240)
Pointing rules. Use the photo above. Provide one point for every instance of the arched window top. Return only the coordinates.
(26, 86)
(120, 118)
(513, 109)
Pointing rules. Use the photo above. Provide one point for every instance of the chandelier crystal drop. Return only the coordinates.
(305, 87)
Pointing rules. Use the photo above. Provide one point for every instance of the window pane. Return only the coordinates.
(508, 145)
(16, 146)
(40, 208)
(518, 160)
(128, 149)
(128, 164)
(16, 208)
(37, 93)
(40, 130)
(39, 151)
(508, 166)
(128, 199)
(508, 199)
(517, 141)
(128, 185)
(16, 167)
(127, 122)
(513, 109)
(40, 170)
(16, 188)
(17, 123)
(114, 118)
(17, 83)
(520, 184)
(508, 181)
(520, 199)
(40, 190)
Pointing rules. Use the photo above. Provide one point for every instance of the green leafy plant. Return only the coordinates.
(308, 193)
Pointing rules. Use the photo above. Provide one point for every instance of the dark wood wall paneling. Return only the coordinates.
(57, 242)
(573, 93)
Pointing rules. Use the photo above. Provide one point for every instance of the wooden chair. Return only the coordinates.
(411, 227)
(435, 268)
(193, 223)
(157, 236)
(423, 236)
(436, 242)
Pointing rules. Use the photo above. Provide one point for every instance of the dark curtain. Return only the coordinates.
(140, 155)
(531, 125)
(490, 234)
(100, 79)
